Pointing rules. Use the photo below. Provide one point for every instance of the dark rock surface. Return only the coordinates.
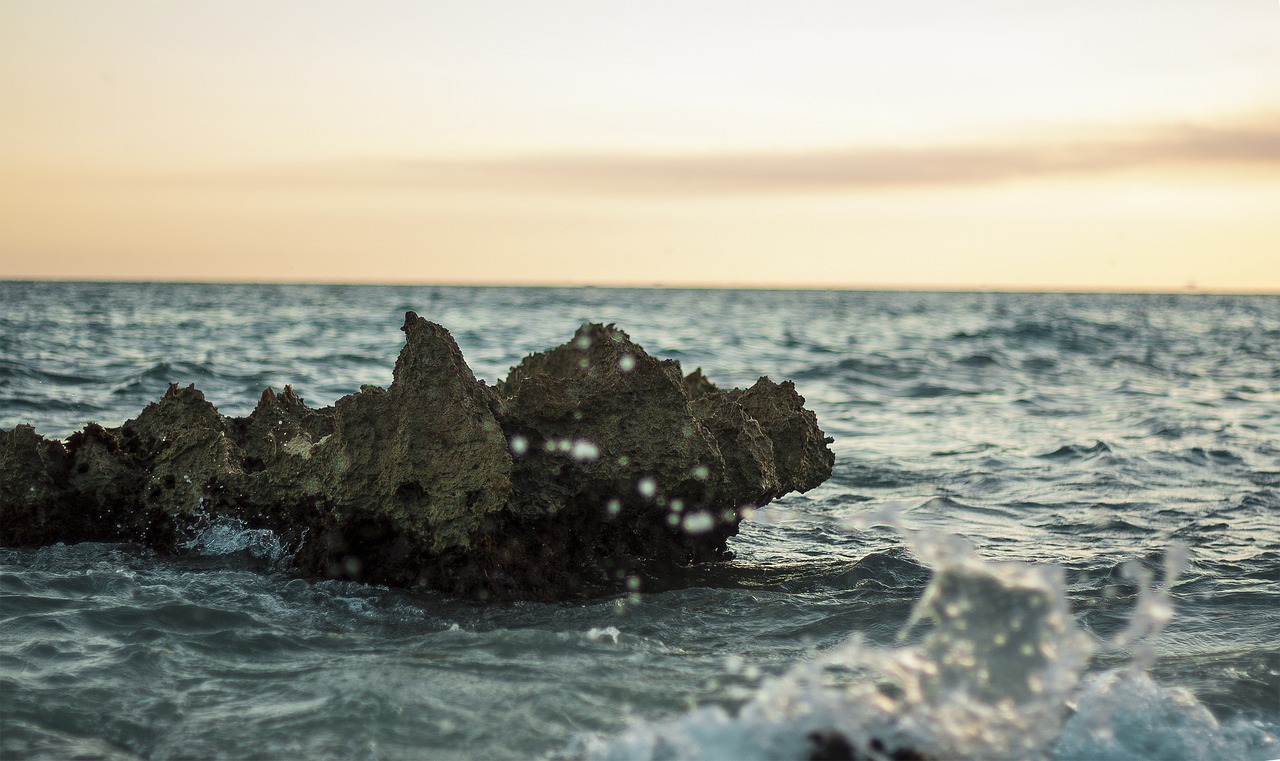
(831, 745)
(592, 465)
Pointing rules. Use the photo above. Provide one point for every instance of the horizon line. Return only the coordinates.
(1188, 290)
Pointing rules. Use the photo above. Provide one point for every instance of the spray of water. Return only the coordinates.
(225, 535)
(991, 664)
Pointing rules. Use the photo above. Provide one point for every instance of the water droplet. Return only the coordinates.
(647, 487)
(701, 472)
(585, 451)
(613, 507)
(626, 363)
(519, 445)
(699, 522)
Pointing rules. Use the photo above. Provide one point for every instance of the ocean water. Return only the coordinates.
(1053, 532)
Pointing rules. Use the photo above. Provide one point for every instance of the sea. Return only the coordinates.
(1052, 532)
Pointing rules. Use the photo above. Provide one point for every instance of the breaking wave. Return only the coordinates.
(990, 665)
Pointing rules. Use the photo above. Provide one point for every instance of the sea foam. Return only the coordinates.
(991, 664)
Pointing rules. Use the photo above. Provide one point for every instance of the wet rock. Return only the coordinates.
(600, 418)
(609, 463)
(84, 490)
(697, 385)
(409, 474)
(831, 745)
(800, 451)
(281, 426)
(591, 465)
(633, 468)
(102, 478)
(183, 444)
(427, 455)
(750, 474)
(389, 485)
(30, 493)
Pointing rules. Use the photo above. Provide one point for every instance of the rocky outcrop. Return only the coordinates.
(592, 465)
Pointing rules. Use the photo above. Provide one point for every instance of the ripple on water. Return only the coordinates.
(1075, 432)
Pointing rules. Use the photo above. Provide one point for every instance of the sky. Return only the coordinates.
(855, 144)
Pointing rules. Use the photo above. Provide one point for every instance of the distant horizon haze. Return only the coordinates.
(1188, 289)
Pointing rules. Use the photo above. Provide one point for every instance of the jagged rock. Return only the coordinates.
(609, 464)
(31, 496)
(832, 745)
(800, 451)
(600, 418)
(281, 426)
(411, 472)
(591, 464)
(750, 468)
(696, 385)
(631, 467)
(104, 477)
(85, 490)
(182, 443)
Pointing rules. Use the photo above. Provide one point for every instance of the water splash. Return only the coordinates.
(610, 633)
(1124, 715)
(991, 664)
(215, 536)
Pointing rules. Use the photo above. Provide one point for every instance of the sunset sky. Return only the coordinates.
(859, 143)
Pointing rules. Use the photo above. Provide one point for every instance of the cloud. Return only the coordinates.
(1254, 143)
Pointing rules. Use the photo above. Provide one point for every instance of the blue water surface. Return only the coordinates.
(1072, 445)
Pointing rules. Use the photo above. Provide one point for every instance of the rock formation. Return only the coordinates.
(591, 465)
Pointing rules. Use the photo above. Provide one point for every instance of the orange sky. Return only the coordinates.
(832, 144)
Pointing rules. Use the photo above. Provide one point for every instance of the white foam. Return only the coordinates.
(228, 536)
(611, 632)
(995, 674)
(1123, 714)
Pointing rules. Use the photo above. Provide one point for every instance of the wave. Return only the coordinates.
(934, 390)
(159, 375)
(999, 672)
(1078, 452)
(870, 369)
(1075, 334)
